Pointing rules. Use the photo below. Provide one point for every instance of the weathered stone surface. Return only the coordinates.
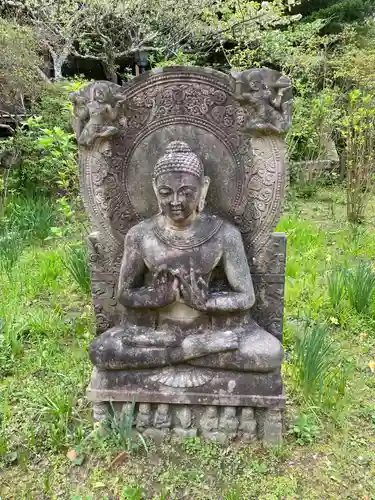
(188, 165)
(248, 425)
(214, 423)
(272, 431)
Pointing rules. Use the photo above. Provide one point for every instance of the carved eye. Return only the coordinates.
(164, 192)
(188, 192)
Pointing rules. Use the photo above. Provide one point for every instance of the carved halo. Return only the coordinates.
(197, 106)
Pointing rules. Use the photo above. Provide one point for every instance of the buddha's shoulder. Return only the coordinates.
(220, 228)
(229, 232)
(140, 230)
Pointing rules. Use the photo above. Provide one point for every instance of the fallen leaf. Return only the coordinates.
(371, 365)
(121, 457)
(98, 485)
(72, 455)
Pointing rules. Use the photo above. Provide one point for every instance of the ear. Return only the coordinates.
(202, 200)
(156, 193)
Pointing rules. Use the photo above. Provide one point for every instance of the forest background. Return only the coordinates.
(327, 48)
(49, 48)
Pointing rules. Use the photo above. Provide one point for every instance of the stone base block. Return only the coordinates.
(221, 424)
(188, 385)
(218, 405)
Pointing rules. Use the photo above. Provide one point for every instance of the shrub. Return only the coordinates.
(360, 287)
(47, 162)
(76, 261)
(305, 429)
(315, 356)
(358, 128)
(30, 217)
(43, 148)
(336, 288)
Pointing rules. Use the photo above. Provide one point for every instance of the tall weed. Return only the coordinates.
(119, 429)
(31, 217)
(336, 288)
(10, 249)
(360, 287)
(76, 261)
(315, 356)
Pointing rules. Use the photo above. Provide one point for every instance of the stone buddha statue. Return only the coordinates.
(189, 269)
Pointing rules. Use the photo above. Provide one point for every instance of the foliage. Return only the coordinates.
(313, 120)
(119, 429)
(315, 356)
(360, 286)
(47, 159)
(76, 261)
(338, 11)
(43, 148)
(358, 128)
(19, 70)
(305, 429)
(56, 25)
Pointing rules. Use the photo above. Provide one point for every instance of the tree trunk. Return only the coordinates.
(57, 67)
(110, 72)
(59, 60)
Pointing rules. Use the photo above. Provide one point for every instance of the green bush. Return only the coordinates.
(76, 261)
(43, 148)
(31, 217)
(315, 356)
(360, 287)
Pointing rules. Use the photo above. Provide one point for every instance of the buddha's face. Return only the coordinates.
(178, 194)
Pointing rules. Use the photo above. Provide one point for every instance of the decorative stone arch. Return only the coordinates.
(247, 168)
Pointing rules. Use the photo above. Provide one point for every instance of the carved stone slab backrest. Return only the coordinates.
(236, 127)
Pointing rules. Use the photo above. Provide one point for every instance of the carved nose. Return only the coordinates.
(175, 200)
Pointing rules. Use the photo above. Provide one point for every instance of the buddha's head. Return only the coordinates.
(179, 183)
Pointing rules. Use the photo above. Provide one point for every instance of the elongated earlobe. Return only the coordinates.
(202, 200)
(156, 194)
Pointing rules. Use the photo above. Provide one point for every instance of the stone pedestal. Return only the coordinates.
(220, 424)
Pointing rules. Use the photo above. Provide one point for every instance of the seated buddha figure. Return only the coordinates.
(168, 269)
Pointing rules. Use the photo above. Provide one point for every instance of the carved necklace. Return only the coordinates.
(202, 230)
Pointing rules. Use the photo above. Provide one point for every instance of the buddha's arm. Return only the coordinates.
(241, 297)
(129, 292)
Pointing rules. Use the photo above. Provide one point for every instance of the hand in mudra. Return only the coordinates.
(165, 287)
(194, 292)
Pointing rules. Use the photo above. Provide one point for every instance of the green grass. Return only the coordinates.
(46, 324)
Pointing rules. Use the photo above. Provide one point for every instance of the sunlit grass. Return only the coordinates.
(46, 326)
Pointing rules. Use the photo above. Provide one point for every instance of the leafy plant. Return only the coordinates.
(315, 356)
(360, 287)
(358, 128)
(10, 250)
(305, 429)
(43, 149)
(119, 429)
(132, 493)
(31, 217)
(336, 288)
(76, 261)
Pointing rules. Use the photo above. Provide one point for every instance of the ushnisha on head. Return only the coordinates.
(180, 184)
